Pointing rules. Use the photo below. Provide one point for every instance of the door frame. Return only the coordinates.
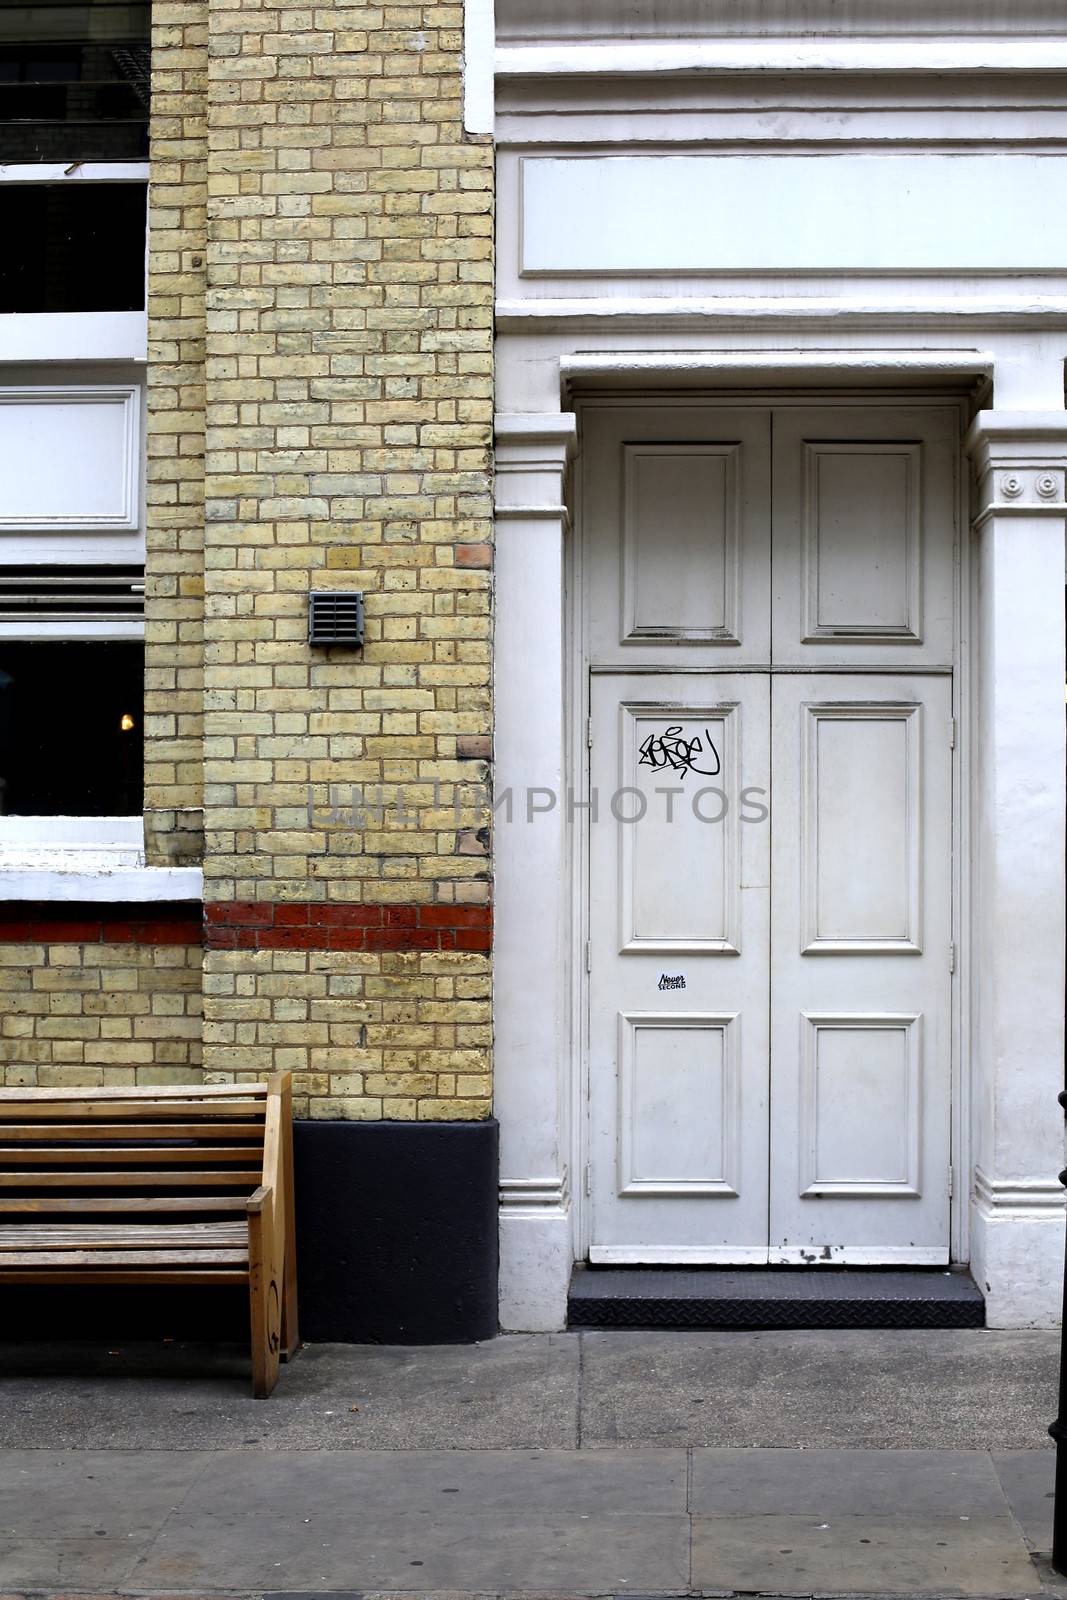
(577, 677)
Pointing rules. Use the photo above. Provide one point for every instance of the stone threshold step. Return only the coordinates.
(773, 1297)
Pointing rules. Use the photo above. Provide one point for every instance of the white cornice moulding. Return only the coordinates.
(1018, 1196)
(560, 20)
(1029, 431)
(535, 427)
(920, 56)
(535, 1194)
(1021, 461)
(839, 366)
(745, 311)
(532, 450)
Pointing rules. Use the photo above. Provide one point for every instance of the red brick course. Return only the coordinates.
(58, 922)
(255, 925)
(310, 925)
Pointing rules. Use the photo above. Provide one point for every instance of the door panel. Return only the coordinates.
(864, 512)
(679, 968)
(677, 510)
(770, 1000)
(860, 991)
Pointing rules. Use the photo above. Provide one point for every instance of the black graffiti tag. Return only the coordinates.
(671, 749)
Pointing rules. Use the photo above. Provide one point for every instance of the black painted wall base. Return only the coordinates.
(396, 1244)
(397, 1231)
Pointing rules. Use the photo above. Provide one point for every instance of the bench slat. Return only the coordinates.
(73, 1132)
(114, 1276)
(102, 1179)
(102, 1236)
(57, 1205)
(112, 1110)
(131, 1155)
(204, 1257)
(183, 1091)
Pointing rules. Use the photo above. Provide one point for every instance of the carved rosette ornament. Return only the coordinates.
(1030, 488)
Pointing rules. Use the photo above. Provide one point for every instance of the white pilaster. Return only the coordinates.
(531, 896)
(1018, 864)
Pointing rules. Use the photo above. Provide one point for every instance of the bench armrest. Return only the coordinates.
(257, 1201)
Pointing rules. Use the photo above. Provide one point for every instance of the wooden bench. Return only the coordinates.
(167, 1186)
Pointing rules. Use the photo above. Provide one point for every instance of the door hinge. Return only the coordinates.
(588, 733)
(952, 733)
(588, 1179)
(952, 956)
(589, 955)
(951, 1182)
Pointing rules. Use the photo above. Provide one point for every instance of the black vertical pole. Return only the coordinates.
(1058, 1430)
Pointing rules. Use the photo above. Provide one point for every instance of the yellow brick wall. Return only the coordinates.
(339, 431)
(397, 1035)
(177, 277)
(88, 1014)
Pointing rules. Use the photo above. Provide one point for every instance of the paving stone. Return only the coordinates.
(881, 1389)
(826, 1483)
(428, 1482)
(582, 1552)
(891, 1555)
(1027, 1478)
(39, 1562)
(518, 1391)
(69, 1494)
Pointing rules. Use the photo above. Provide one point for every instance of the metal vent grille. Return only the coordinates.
(66, 594)
(336, 617)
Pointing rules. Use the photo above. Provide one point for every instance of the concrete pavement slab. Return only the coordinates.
(832, 1483)
(430, 1483)
(1027, 1477)
(547, 1551)
(69, 1494)
(888, 1555)
(520, 1391)
(970, 1389)
(57, 1563)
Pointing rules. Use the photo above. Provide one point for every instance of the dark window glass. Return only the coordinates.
(74, 81)
(71, 741)
(72, 246)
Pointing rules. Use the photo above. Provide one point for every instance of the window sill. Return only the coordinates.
(71, 336)
(76, 875)
(86, 859)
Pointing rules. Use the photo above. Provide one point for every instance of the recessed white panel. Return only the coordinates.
(861, 829)
(678, 1112)
(676, 809)
(862, 542)
(880, 213)
(860, 1105)
(69, 459)
(680, 543)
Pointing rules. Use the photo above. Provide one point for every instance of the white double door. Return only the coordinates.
(771, 857)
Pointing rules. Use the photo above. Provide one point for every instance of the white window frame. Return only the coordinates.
(69, 336)
(81, 858)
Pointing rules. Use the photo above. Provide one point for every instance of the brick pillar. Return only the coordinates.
(175, 434)
(349, 418)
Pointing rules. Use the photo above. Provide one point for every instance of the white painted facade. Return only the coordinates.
(844, 208)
